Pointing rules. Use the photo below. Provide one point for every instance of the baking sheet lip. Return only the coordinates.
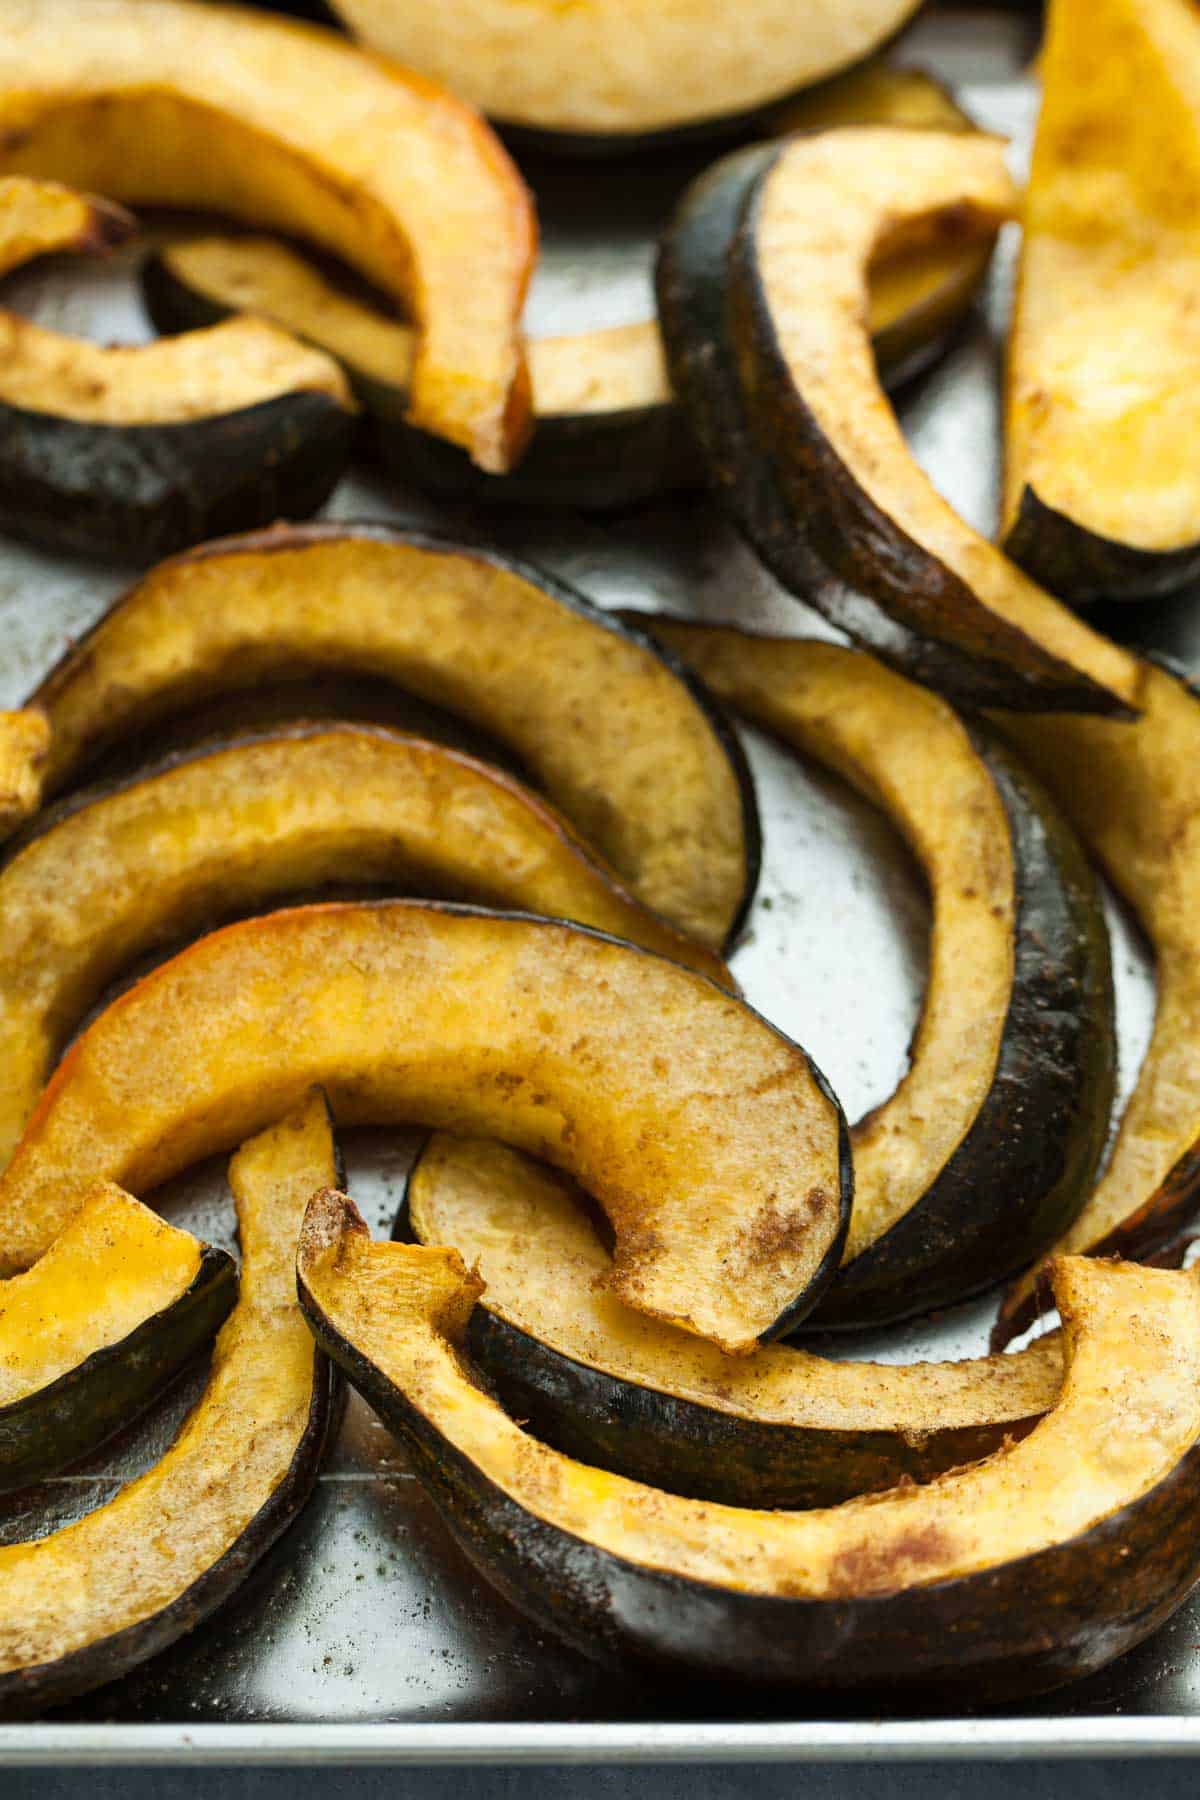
(458, 1743)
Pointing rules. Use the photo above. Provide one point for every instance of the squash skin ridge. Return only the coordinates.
(1058, 1034)
(112, 1386)
(1084, 566)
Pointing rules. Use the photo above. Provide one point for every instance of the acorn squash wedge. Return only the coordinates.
(1102, 481)
(607, 430)
(1130, 792)
(778, 1428)
(79, 1608)
(624, 744)
(997, 1130)
(762, 286)
(136, 451)
(230, 828)
(98, 1327)
(1040, 1563)
(609, 75)
(717, 1150)
(287, 126)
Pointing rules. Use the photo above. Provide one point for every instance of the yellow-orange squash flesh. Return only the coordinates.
(715, 1148)
(225, 830)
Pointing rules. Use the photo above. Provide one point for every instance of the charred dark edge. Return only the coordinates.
(46, 1431)
(139, 492)
(30, 1690)
(1083, 565)
(288, 538)
(1026, 1167)
(652, 1435)
(749, 460)
(1018, 1629)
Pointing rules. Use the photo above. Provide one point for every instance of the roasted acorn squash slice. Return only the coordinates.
(1102, 483)
(1038, 1564)
(762, 288)
(608, 431)
(80, 1607)
(228, 829)
(1130, 791)
(609, 74)
(620, 739)
(717, 1150)
(138, 451)
(779, 1428)
(89, 1335)
(288, 126)
(998, 1128)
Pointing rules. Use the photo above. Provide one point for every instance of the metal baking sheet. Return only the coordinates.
(365, 1635)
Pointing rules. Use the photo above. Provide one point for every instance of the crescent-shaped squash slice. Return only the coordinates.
(99, 1326)
(997, 1130)
(1040, 1563)
(624, 744)
(141, 450)
(1130, 792)
(41, 218)
(607, 429)
(762, 288)
(1102, 481)
(611, 73)
(162, 102)
(229, 828)
(717, 1150)
(89, 1602)
(779, 1428)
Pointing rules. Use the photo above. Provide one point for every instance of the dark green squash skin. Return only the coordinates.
(1082, 565)
(788, 492)
(295, 537)
(140, 492)
(687, 1448)
(1021, 1628)
(1023, 1172)
(48, 1430)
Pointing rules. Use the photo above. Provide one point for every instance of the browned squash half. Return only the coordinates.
(622, 741)
(717, 1150)
(1038, 1564)
(614, 72)
(24, 741)
(779, 1428)
(230, 828)
(763, 302)
(80, 1607)
(997, 1129)
(89, 1335)
(287, 126)
(1130, 791)
(608, 431)
(140, 450)
(1102, 479)
(38, 218)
